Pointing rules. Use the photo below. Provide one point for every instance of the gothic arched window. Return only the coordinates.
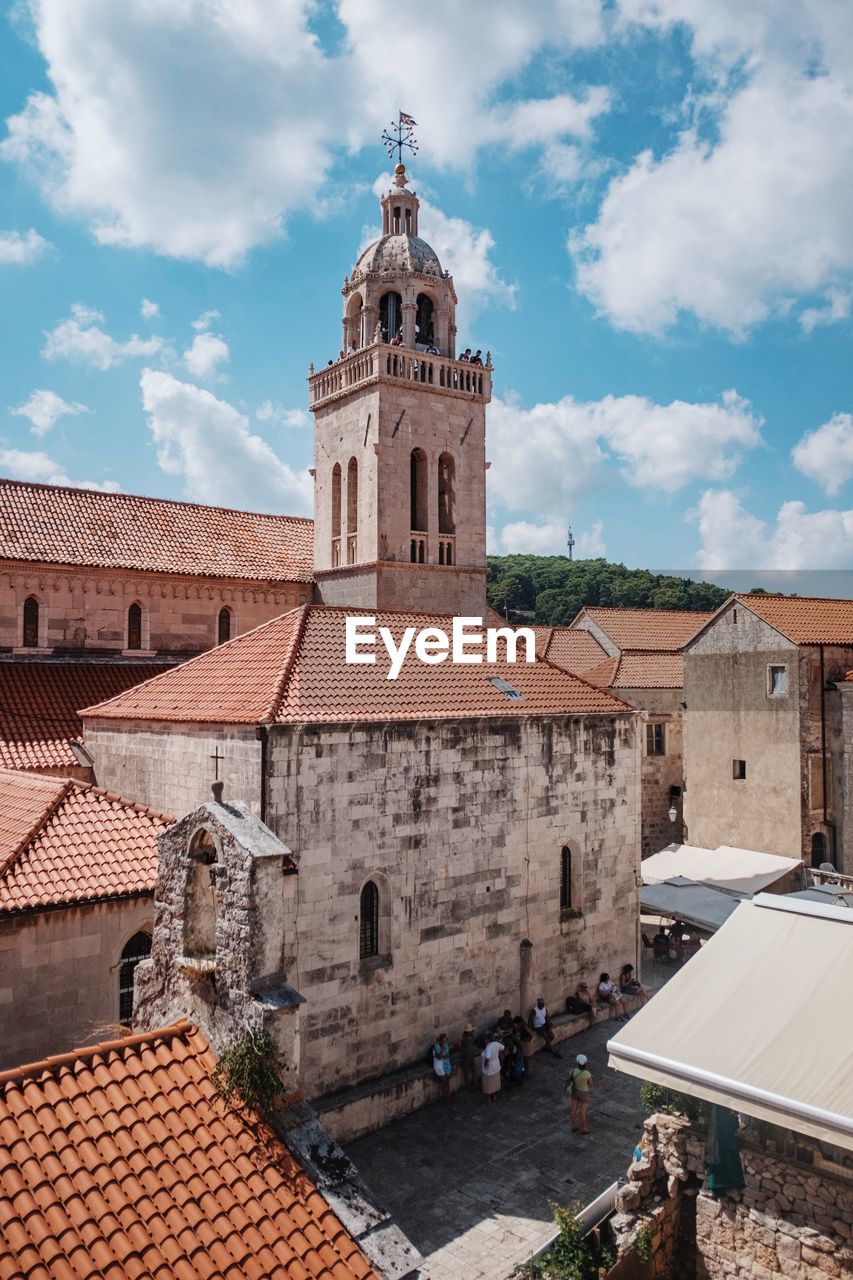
(223, 625)
(446, 494)
(139, 948)
(134, 627)
(336, 514)
(818, 848)
(368, 922)
(352, 511)
(424, 328)
(390, 314)
(30, 638)
(566, 878)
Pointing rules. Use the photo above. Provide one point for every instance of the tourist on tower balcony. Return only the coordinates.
(477, 358)
(352, 349)
(465, 358)
(397, 340)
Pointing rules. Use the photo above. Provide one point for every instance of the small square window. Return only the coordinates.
(655, 740)
(777, 682)
(738, 770)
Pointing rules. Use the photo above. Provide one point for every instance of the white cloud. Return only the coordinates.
(208, 443)
(82, 338)
(733, 538)
(44, 408)
(544, 456)
(836, 307)
(38, 467)
(20, 250)
(207, 352)
(205, 320)
(548, 539)
(270, 411)
(148, 309)
(754, 216)
(826, 454)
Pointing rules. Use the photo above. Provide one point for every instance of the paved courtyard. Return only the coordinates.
(470, 1184)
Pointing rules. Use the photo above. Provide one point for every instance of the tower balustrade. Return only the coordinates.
(382, 361)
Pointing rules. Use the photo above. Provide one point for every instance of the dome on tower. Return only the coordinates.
(397, 253)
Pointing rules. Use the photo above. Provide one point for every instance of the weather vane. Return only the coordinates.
(399, 136)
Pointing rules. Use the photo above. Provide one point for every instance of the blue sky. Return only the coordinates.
(646, 204)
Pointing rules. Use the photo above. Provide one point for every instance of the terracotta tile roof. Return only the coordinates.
(63, 842)
(54, 525)
(804, 619)
(293, 670)
(120, 1162)
(646, 629)
(575, 651)
(39, 702)
(639, 671)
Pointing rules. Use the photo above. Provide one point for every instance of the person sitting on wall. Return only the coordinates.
(629, 985)
(582, 1002)
(540, 1022)
(609, 994)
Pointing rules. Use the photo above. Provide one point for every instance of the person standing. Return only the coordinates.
(540, 1021)
(467, 1055)
(492, 1059)
(441, 1064)
(580, 1084)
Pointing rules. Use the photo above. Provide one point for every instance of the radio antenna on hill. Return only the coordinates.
(570, 543)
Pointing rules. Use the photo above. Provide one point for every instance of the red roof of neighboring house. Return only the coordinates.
(575, 651)
(639, 671)
(39, 702)
(805, 619)
(120, 1161)
(50, 524)
(645, 629)
(63, 842)
(293, 670)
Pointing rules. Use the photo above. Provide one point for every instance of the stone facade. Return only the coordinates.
(662, 776)
(86, 610)
(785, 742)
(59, 974)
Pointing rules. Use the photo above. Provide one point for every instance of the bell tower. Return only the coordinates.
(399, 435)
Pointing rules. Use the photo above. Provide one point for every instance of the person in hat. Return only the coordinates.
(468, 1056)
(579, 1085)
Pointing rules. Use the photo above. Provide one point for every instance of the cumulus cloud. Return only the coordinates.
(754, 216)
(207, 442)
(204, 356)
(203, 322)
(20, 250)
(548, 539)
(544, 456)
(836, 307)
(734, 538)
(148, 309)
(83, 338)
(44, 409)
(826, 454)
(22, 464)
(270, 411)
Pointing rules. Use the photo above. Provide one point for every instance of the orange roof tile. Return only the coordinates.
(805, 619)
(293, 670)
(121, 1161)
(645, 629)
(63, 842)
(639, 671)
(50, 524)
(39, 702)
(575, 651)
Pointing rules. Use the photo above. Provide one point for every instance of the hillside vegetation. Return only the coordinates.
(551, 589)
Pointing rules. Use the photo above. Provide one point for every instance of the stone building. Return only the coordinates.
(768, 728)
(77, 873)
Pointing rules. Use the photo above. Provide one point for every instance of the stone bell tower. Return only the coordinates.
(399, 436)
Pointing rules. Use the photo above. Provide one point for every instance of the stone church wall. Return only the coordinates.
(461, 827)
(59, 975)
(660, 773)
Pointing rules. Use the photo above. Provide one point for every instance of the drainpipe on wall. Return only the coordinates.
(261, 733)
(827, 822)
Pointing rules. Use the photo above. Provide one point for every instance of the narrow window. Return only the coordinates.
(655, 740)
(352, 496)
(223, 629)
(336, 514)
(418, 491)
(390, 314)
(31, 623)
(739, 770)
(134, 627)
(137, 949)
(424, 328)
(565, 878)
(734, 615)
(446, 485)
(368, 926)
(777, 682)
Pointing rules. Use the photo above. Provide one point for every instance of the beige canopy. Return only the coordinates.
(741, 870)
(757, 1021)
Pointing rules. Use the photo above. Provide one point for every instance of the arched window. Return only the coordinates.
(390, 314)
(818, 848)
(139, 948)
(355, 309)
(134, 627)
(31, 623)
(223, 625)
(336, 515)
(352, 511)
(446, 495)
(418, 478)
(424, 328)
(566, 879)
(368, 922)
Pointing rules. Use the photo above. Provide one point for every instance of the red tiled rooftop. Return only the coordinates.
(293, 670)
(639, 671)
(121, 1161)
(575, 651)
(805, 619)
(63, 842)
(50, 524)
(39, 702)
(645, 629)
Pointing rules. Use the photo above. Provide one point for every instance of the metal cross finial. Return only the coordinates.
(400, 135)
(570, 543)
(216, 757)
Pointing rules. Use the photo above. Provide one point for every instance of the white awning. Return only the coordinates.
(757, 1021)
(698, 904)
(742, 870)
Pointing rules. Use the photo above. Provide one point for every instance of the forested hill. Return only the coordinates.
(551, 589)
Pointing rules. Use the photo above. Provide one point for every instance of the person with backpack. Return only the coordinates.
(579, 1086)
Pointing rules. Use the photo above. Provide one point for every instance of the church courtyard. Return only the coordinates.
(471, 1184)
